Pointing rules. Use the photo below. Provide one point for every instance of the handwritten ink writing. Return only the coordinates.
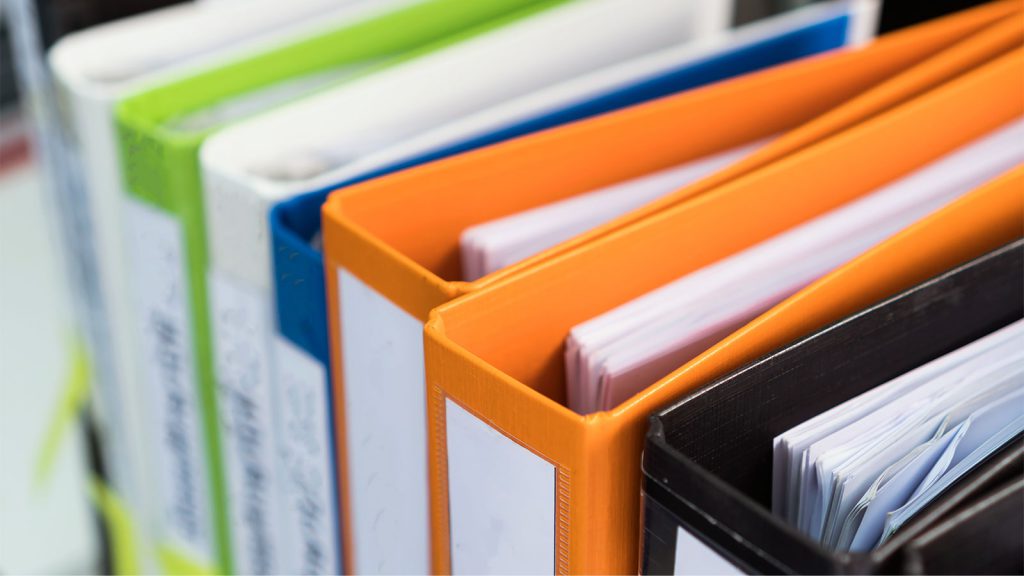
(176, 420)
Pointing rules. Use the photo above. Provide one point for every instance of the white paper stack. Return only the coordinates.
(491, 246)
(617, 354)
(851, 476)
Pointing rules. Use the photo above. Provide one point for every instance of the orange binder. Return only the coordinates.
(391, 244)
(507, 456)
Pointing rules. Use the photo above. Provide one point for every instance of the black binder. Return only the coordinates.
(708, 459)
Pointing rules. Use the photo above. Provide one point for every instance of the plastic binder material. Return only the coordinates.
(708, 460)
(506, 451)
(992, 525)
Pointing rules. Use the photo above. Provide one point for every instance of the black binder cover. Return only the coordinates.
(898, 14)
(708, 458)
(963, 543)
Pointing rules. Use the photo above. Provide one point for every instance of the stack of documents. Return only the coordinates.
(619, 353)
(489, 247)
(850, 477)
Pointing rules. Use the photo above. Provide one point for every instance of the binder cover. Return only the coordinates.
(991, 527)
(93, 69)
(160, 132)
(896, 15)
(311, 153)
(1002, 469)
(687, 65)
(708, 458)
(495, 386)
(341, 134)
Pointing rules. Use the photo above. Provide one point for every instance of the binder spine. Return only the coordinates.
(240, 318)
(298, 274)
(506, 499)
(502, 500)
(143, 158)
(241, 321)
(716, 535)
(306, 458)
(158, 259)
(385, 429)
(658, 541)
(310, 483)
(96, 140)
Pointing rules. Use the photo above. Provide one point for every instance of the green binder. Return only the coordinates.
(160, 133)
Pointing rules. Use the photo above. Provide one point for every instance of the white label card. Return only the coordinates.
(241, 346)
(161, 298)
(501, 500)
(385, 432)
(307, 463)
(696, 557)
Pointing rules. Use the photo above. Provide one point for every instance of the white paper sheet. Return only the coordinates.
(617, 354)
(869, 464)
(491, 246)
